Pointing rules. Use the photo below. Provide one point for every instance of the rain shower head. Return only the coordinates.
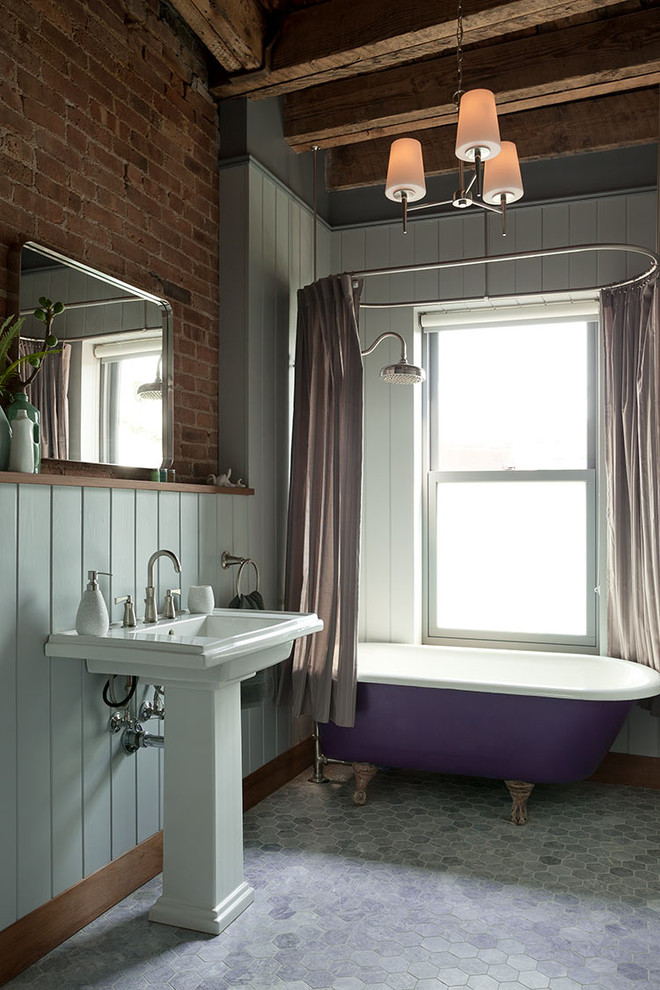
(401, 373)
(152, 390)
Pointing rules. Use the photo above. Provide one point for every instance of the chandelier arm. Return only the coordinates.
(427, 206)
(487, 206)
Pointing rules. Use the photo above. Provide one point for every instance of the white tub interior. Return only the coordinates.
(547, 675)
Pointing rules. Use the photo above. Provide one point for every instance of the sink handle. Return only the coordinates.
(129, 610)
(170, 610)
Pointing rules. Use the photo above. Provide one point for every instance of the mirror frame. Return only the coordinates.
(168, 337)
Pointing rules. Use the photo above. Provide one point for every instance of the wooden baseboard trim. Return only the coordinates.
(32, 937)
(280, 771)
(634, 771)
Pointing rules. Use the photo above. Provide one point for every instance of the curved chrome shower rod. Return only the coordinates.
(515, 256)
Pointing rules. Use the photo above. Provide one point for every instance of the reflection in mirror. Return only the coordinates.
(107, 396)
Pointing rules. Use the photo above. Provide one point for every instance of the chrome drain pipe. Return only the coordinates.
(134, 739)
(321, 761)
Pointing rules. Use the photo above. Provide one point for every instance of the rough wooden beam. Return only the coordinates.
(232, 30)
(556, 67)
(619, 120)
(345, 37)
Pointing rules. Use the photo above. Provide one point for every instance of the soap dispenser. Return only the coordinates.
(92, 617)
(22, 450)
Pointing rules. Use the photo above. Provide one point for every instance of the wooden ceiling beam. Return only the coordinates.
(345, 38)
(233, 31)
(618, 120)
(586, 60)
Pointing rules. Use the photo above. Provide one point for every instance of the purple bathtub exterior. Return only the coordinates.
(505, 736)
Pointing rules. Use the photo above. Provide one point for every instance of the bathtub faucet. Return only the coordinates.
(150, 611)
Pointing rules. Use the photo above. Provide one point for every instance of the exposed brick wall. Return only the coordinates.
(108, 153)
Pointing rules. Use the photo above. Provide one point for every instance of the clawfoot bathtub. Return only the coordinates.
(523, 717)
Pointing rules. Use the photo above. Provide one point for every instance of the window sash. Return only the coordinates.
(433, 354)
(496, 638)
(481, 637)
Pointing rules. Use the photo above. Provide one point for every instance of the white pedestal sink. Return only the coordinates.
(201, 660)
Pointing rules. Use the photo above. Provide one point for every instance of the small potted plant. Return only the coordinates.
(12, 382)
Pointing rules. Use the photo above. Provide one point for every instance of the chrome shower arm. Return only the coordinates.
(382, 336)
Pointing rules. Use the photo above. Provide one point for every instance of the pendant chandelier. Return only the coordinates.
(495, 178)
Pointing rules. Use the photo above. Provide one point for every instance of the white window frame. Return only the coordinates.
(591, 641)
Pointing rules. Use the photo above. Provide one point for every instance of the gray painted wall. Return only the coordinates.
(72, 800)
(391, 558)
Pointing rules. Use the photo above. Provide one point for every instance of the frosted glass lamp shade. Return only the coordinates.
(477, 126)
(405, 173)
(502, 176)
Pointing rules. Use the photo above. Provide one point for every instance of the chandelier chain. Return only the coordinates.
(459, 53)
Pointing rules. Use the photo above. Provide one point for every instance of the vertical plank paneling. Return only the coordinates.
(8, 706)
(529, 237)
(233, 396)
(375, 586)
(270, 409)
(122, 549)
(169, 538)
(556, 233)
(123, 767)
(264, 540)
(189, 542)
(641, 224)
(66, 685)
(451, 230)
(473, 234)
(353, 257)
(502, 276)
(224, 589)
(283, 361)
(612, 215)
(147, 764)
(209, 550)
(306, 248)
(33, 699)
(259, 470)
(426, 284)
(96, 740)
(583, 220)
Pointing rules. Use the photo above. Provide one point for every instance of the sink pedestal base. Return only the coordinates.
(203, 885)
(182, 915)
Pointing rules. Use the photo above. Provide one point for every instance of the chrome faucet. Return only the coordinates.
(150, 611)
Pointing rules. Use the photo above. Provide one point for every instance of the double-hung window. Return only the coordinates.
(512, 500)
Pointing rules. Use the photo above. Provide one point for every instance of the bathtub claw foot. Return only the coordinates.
(519, 791)
(363, 774)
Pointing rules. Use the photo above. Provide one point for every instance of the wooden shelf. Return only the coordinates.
(81, 481)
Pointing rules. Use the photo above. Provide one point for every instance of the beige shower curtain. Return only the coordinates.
(632, 424)
(323, 535)
(49, 394)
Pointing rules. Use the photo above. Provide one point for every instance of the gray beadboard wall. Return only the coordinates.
(266, 255)
(71, 799)
(391, 560)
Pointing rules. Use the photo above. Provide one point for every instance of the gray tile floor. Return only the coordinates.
(427, 886)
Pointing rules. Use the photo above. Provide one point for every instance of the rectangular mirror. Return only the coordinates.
(107, 398)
